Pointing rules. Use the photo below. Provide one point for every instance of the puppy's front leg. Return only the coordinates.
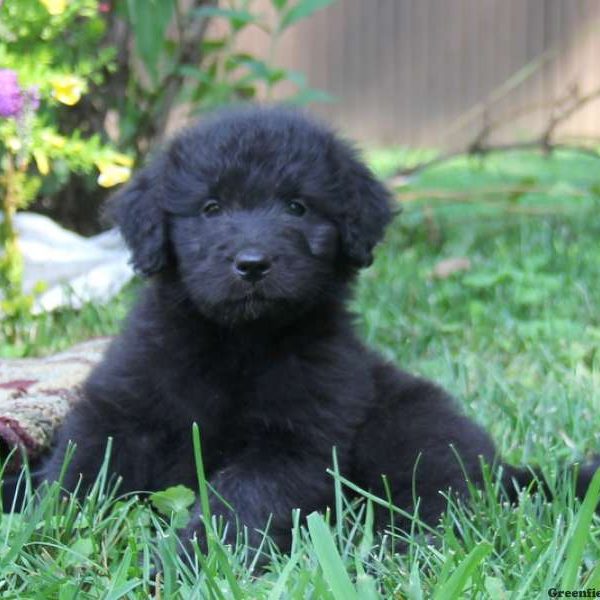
(262, 486)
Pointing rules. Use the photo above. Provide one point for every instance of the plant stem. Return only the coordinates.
(11, 265)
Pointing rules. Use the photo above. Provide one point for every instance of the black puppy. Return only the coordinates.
(252, 227)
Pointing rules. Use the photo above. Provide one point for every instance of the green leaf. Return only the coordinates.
(120, 585)
(278, 590)
(297, 78)
(213, 44)
(68, 591)
(247, 92)
(227, 570)
(495, 588)
(593, 581)
(331, 562)
(149, 21)
(415, 589)
(366, 543)
(202, 485)
(366, 586)
(237, 18)
(195, 73)
(279, 4)
(261, 70)
(79, 552)
(302, 10)
(308, 96)
(173, 500)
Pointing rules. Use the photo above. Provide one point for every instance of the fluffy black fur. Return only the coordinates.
(251, 228)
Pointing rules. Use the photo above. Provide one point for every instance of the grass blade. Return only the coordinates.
(333, 568)
(202, 487)
(455, 584)
(277, 592)
(581, 533)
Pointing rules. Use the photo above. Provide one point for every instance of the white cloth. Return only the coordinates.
(74, 269)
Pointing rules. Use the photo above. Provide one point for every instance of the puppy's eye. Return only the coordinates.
(211, 208)
(296, 208)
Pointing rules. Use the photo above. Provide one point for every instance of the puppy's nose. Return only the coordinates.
(251, 264)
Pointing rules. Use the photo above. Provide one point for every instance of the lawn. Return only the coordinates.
(515, 337)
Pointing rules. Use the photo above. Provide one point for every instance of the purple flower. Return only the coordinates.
(11, 95)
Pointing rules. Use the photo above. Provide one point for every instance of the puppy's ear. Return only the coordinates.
(368, 210)
(136, 210)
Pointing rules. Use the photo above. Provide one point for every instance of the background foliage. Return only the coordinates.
(90, 86)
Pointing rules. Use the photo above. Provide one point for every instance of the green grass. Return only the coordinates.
(51, 332)
(516, 338)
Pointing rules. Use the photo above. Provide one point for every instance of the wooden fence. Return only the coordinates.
(418, 72)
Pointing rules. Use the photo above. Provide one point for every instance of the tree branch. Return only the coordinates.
(562, 109)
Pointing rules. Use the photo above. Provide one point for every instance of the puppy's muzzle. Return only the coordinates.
(251, 264)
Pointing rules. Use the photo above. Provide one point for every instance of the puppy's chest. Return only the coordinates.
(272, 391)
(237, 394)
(267, 397)
(289, 396)
(276, 404)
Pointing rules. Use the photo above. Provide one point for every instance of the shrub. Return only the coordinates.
(86, 86)
(50, 51)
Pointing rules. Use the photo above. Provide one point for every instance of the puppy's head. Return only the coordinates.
(261, 212)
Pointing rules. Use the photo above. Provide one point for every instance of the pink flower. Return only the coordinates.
(11, 95)
(104, 7)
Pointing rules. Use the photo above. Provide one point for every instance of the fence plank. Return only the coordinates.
(404, 70)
